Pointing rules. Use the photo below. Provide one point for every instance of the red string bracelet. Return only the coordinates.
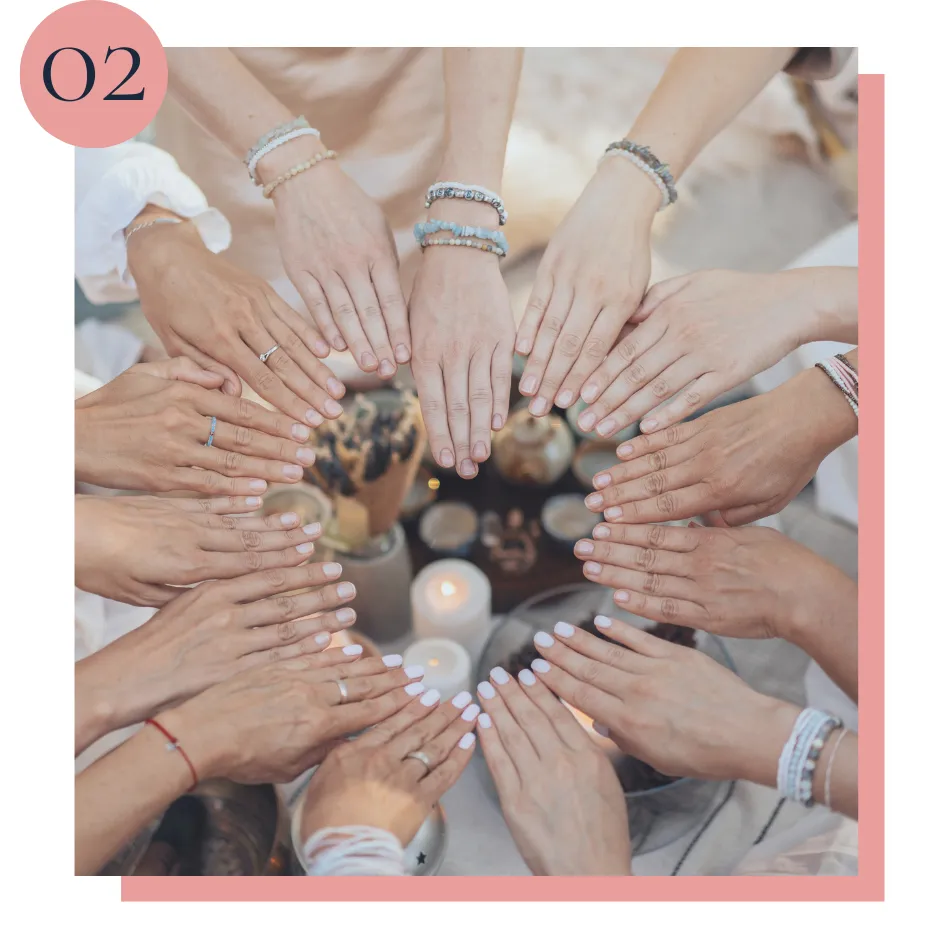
(173, 744)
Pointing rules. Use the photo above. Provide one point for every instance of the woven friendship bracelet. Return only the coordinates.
(846, 386)
(296, 170)
(279, 131)
(651, 161)
(460, 190)
(273, 144)
(425, 228)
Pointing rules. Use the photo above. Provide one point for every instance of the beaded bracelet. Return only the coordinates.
(465, 243)
(425, 228)
(296, 170)
(147, 224)
(830, 766)
(295, 124)
(651, 161)
(845, 380)
(647, 170)
(798, 761)
(459, 190)
(279, 141)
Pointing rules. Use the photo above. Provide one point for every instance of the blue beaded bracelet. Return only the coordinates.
(424, 229)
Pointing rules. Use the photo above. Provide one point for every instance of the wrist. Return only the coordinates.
(283, 158)
(153, 249)
(758, 745)
(826, 604)
(820, 412)
(826, 298)
(205, 745)
(629, 188)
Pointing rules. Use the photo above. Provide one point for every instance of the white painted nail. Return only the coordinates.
(499, 675)
(485, 721)
(414, 670)
(526, 677)
(602, 622)
(346, 615)
(306, 548)
(602, 730)
(332, 570)
(351, 650)
(543, 639)
(540, 665)
(430, 697)
(486, 690)
(470, 713)
(322, 638)
(312, 529)
(467, 741)
(393, 661)
(564, 629)
(461, 699)
(413, 689)
(289, 518)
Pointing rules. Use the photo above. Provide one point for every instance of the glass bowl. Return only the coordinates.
(665, 809)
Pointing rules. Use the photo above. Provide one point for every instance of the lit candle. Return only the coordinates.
(603, 742)
(453, 599)
(446, 665)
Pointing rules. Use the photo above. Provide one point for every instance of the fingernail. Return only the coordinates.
(331, 570)
(323, 638)
(602, 480)
(300, 432)
(498, 421)
(470, 713)
(293, 472)
(564, 629)
(586, 420)
(306, 548)
(624, 450)
(606, 427)
(332, 408)
(351, 650)
(528, 385)
(594, 501)
(321, 348)
(430, 698)
(539, 406)
(485, 721)
(540, 665)
(584, 547)
(479, 452)
(499, 675)
(345, 591)
(613, 513)
(486, 691)
(461, 699)
(335, 387)
(543, 639)
(414, 670)
(446, 459)
(257, 485)
(602, 622)
(386, 368)
(467, 741)
(368, 362)
(589, 393)
(591, 568)
(523, 347)
(313, 417)
(413, 689)
(401, 353)
(565, 398)
(621, 596)
(526, 677)
(306, 456)
(339, 344)
(252, 501)
(601, 531)
(392, 661)
(312, 529)
(347, 615)
(601, 730)
(648, 425)
(467, 469)
(289, 519)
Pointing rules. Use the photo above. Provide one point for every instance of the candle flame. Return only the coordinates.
(447, 588)
(433, 662)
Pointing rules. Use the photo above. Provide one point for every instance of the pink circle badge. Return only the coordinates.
(93, 74)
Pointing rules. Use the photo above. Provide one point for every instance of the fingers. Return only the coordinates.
(256, 586)
(362, 291)
(480, 406)
(527, 715)
(608, 653)
(311, 337)
(244, 413)
(233, 439)
(183, 368)
(504, 774)
(422, 703)
(560, 718)
(696, 395)
(662, 291)
(239, 539)
(607, 677)
(534, 311)
(638, 640)
(595, 703)
(515, 740)
(678, 505)
(547, 334)
(501, 384)
(318, 306)
(632, 574)
(209, 482)
(346, 318)
(291, 606)
(319, 629)
(226, 564)
(231, 383)
(387, 283)
(658, 537)
(445, 775)
(443, 731)
(432, 397)
(223, 505)
(645, 465)
(657, 483)
(620, 359)
(354, 717)
(238, 465)
(456, 385)
(361, 683)
(282, 522)
(600, 340)
(566, 350)
(653, 442)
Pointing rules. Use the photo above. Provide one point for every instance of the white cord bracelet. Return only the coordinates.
(353, 851)
(261, 152)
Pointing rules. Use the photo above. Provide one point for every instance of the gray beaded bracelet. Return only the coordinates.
(651, 161)
(459, 190)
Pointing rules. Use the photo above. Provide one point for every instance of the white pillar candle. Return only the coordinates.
(453, 599)
(445, 664)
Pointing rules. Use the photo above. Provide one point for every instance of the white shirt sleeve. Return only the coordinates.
(112, 185)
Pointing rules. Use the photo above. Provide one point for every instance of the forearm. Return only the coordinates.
(831, 302)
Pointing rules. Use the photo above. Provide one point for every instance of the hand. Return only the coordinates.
(670, 706)
(209, 634)
(371, 782)
(148, 433)
(144, 550)
(225, 318)
(739, 582)
(702, 334)
(463, 332)
(742, 462)
(559, 793)
(589, 283)
(338, 252)
(271, 724)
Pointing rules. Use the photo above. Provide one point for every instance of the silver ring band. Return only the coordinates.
(343, 691)
(420, 757)
(268, 353)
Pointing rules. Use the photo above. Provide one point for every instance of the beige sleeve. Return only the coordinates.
(818, 62)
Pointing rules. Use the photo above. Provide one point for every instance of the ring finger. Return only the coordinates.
(346, 318)
(238, 465)
(565, 351)
(284, 607)
(366, 302)
(250, 442)
(602, 676)
(319, 628)
(439, 744)
(547, 332)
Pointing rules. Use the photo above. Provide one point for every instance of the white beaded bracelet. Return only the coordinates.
(260, 153)
(647, 170)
